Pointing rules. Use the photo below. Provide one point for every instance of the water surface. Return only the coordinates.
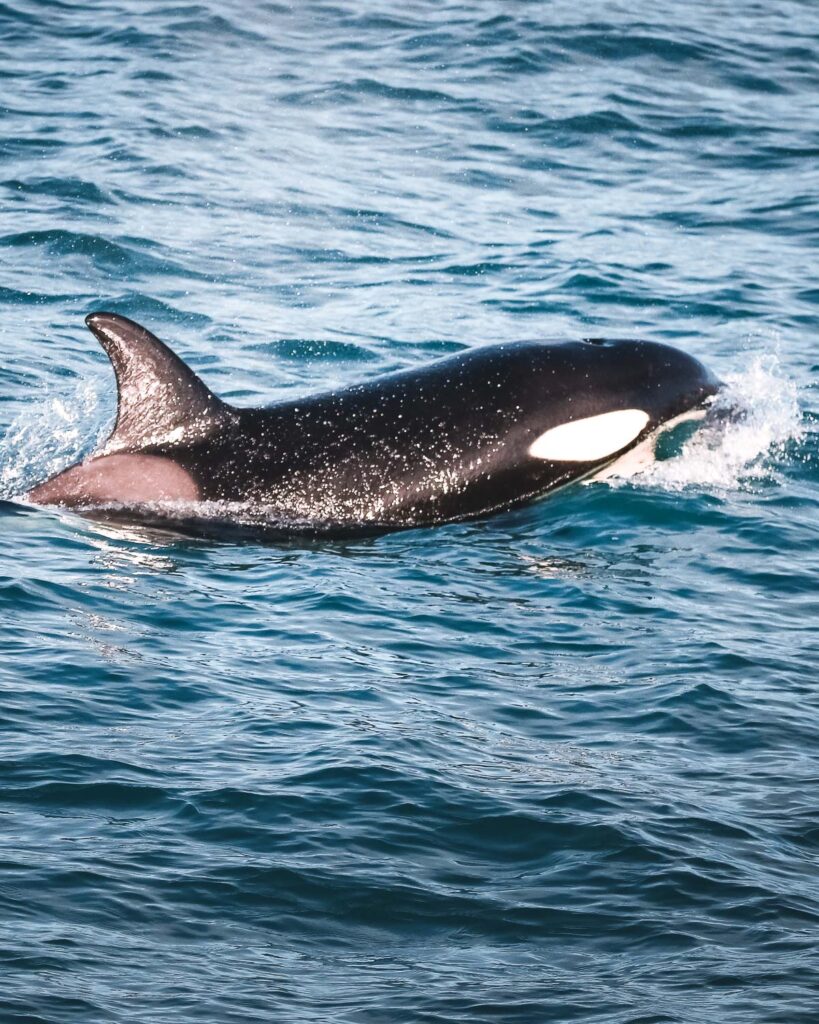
(555, 765)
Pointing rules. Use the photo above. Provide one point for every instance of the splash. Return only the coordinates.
(52, 433)
(744, 435)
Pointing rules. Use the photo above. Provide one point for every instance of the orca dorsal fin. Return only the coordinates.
(160, 400)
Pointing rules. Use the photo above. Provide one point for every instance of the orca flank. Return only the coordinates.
(480, 431)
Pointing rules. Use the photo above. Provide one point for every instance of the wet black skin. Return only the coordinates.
(443, 442)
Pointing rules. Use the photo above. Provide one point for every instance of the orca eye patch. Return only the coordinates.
(590, 439)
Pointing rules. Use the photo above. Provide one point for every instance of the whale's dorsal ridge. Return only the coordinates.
(482, 430)
(160, 400)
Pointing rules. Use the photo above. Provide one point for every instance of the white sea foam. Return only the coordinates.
(744, 434)
(51, 433)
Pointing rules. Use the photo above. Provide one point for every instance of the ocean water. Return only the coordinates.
(560, 764)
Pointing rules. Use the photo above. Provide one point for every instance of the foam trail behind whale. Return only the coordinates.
(53, 431)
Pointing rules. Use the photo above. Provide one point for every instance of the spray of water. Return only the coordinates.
(743, 437)
(751, 421)
(51, 433)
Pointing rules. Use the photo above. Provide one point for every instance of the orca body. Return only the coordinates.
(473, 433)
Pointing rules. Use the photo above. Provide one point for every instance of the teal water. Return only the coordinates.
(555, 765)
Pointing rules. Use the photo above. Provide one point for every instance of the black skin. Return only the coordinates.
(440, 443)
(444, 442)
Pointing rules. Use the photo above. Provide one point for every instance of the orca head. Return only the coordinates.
(623, 391)
(665, 380)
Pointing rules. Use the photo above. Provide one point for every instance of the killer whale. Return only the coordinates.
(476, 432)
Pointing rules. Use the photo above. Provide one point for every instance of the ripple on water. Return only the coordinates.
(554, 765)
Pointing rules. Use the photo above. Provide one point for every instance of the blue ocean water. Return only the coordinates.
(556, 765)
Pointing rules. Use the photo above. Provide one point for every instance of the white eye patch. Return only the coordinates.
(590, 439)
